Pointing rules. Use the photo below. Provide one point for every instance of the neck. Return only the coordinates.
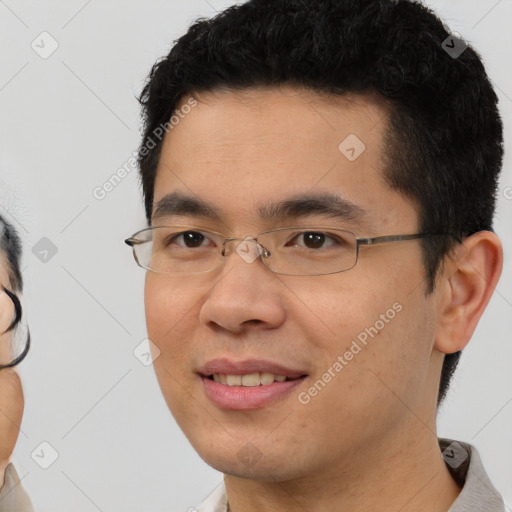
(405, 473)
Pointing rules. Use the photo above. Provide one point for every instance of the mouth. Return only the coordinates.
(247, 385)
(248, 379)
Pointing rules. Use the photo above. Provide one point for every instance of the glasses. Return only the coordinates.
(14, 324)
(301, 251)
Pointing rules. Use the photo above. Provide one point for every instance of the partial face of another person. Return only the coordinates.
(241, 152)
(7, 313)
(11, 394)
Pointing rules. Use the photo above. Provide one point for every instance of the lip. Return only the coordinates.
(241, 398)
(229, 367)
(246, 398)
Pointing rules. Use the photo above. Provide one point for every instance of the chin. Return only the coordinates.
(249, 463)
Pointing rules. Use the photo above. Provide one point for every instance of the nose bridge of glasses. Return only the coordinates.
(260, 248)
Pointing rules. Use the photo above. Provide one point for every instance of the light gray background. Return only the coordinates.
(67, 123)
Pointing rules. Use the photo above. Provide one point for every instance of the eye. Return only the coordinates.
(315, 240)
(189, 239)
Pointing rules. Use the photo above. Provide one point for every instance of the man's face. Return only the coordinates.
(240, 152)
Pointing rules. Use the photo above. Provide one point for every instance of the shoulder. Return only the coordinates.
(13, 497)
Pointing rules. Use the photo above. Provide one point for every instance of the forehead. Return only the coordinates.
(280, 114)
(238, 146)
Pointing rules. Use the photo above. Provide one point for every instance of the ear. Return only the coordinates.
(464, 289)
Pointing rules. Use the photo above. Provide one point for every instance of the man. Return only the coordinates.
(13, 497)
(319, 179)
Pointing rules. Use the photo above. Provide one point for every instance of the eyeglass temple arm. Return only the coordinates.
(133, 241)
(399, 238)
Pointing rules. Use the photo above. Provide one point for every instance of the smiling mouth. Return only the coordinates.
(249, 388)
(249, 379)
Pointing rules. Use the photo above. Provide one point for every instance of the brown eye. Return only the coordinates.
(314, 240)
(191, 238)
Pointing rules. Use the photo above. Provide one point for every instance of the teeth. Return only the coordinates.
(266, 378)
(248, 380)
(234, 380)
(252, 379)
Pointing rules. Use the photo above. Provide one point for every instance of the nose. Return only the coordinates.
(246, 294)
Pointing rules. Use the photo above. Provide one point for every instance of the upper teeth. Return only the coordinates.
(251, 379)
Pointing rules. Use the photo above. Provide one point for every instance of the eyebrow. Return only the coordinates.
(326, 204)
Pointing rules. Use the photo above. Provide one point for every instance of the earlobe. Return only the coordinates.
(466, 286)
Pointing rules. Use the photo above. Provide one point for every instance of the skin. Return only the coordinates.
(11, 392)
(357, 444)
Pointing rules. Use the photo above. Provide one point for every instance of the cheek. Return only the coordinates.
(333, 313)
(156, 304)
(165, 306)
(381, 329)
(378, 383)
(167, 316)
(168, 320)
(392, 367)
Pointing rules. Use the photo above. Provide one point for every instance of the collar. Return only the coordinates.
(465, 466)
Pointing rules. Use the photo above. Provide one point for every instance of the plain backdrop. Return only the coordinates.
(67, 123)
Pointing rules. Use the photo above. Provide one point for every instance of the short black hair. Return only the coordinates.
(10, 247)
(444, 147)
(11, 251)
